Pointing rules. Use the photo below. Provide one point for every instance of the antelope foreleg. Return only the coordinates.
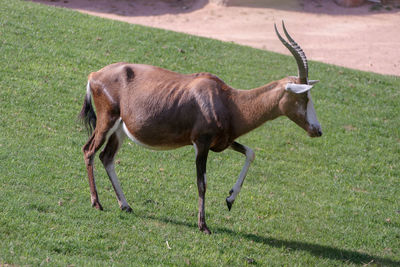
(201, 162)
(248, 152)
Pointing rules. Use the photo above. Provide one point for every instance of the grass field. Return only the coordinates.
(330, 201)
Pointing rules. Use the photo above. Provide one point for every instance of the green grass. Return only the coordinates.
(330, 201)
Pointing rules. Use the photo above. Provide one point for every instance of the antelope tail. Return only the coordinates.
(87, 114)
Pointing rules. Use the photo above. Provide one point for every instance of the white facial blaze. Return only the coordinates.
(311, 115)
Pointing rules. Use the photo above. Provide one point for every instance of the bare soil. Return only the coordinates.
(365, 38)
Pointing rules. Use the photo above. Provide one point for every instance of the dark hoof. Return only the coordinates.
(229, 204)
(205, 230)
(126, 209)
(97, 205)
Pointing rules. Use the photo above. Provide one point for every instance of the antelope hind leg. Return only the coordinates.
(107, 157)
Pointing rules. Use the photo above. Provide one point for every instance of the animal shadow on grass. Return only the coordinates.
(322, 251)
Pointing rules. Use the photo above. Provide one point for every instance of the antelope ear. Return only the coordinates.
(297, 88)
(312, 82)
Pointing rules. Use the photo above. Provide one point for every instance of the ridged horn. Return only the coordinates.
(297, 52)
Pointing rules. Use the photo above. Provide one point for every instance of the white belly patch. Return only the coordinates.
(134, 139)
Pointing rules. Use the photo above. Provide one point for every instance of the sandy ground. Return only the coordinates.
(356, 38)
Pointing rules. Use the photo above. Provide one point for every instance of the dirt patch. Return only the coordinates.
(365, 38)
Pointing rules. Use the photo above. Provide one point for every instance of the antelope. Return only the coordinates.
(160, 110)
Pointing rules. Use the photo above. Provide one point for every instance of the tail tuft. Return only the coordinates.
(87, 114)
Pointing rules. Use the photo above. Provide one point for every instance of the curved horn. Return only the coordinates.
(298, 49)
(297, 52)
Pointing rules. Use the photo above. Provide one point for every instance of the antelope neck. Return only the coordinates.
(256, 106)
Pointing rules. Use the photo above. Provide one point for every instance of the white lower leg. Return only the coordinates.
(123, 204)
(238, 185)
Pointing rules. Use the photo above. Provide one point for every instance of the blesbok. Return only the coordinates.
(161, 109)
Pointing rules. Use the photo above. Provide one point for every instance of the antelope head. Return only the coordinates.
(297, 104)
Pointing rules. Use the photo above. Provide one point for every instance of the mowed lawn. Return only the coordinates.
(328, 201)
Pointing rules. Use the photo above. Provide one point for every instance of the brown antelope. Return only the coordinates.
(160, 109)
